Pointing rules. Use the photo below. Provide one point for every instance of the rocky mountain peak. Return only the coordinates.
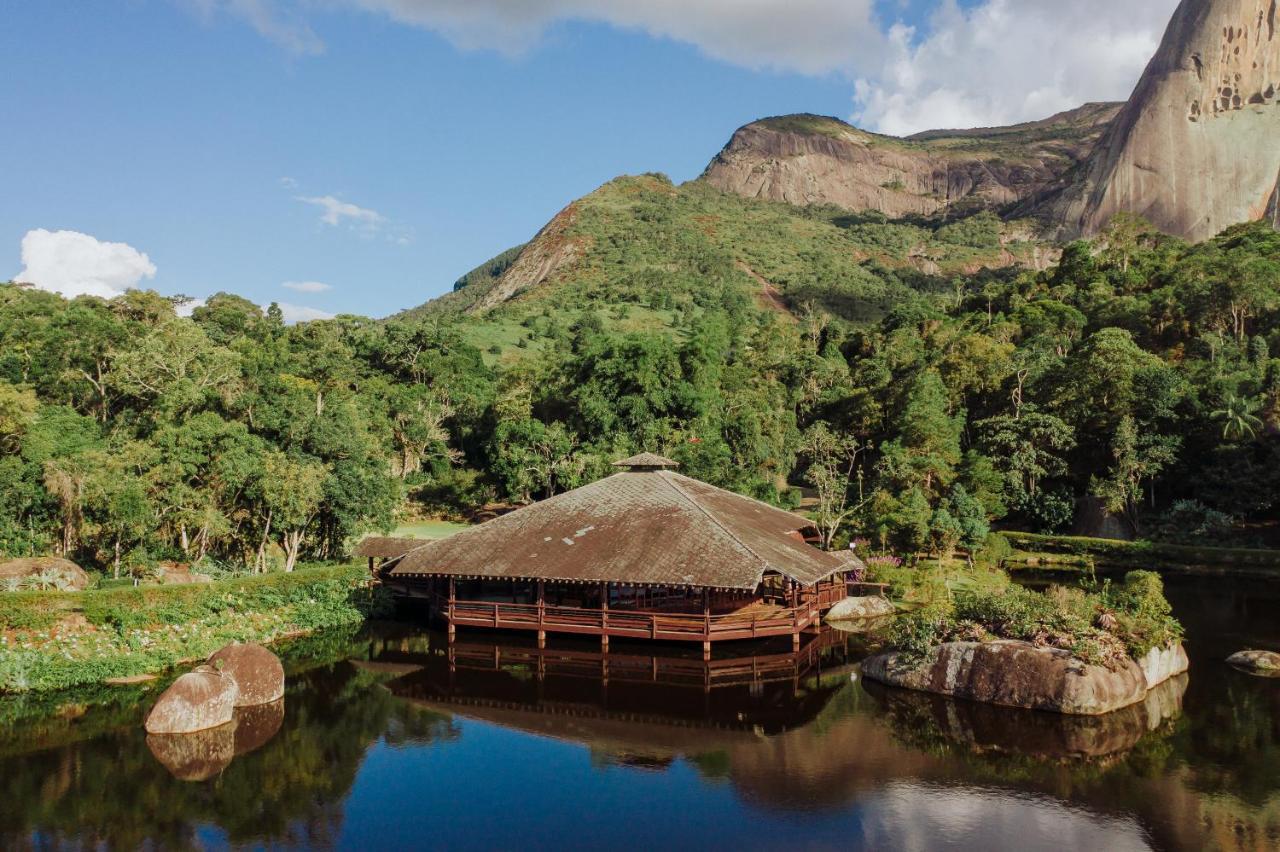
(1197, 147)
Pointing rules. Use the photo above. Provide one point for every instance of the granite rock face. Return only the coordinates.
(256, 671)
(857, 608)
(1161, 664)
(804, 160)
(1197, 147)
(197, 701)
(1265, 663)
(1014, 674)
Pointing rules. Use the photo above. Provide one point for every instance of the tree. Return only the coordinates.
(1027, 449)
(18, 407)
(1136, 458)
(927, 448)
(832, 457)
(1239, 418)
(292, 489)
(530, 456)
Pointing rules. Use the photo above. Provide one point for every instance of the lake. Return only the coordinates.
(390, 739)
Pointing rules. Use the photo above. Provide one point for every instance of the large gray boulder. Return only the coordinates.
(1264, 663)
(197, 701)
(63, 571)
(1160, 664)
(195, 757)
(851, 609)
(255, 670)
(1013, 674)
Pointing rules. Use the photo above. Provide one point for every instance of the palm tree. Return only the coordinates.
(1238, 417)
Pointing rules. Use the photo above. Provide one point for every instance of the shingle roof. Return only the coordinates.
(385, 546)
(653, 527)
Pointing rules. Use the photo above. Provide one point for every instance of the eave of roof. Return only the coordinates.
(640, 528)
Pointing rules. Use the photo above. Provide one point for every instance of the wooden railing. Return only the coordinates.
(636, 625)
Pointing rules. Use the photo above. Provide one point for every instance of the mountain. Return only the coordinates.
(1197, 147)
(639, 251)
(809, 159)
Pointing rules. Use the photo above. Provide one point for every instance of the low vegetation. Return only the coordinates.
(51, 640)
(1102, 626)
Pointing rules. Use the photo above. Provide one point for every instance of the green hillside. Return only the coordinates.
(648, 250)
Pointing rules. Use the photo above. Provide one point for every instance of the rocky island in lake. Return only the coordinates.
(1062, 650)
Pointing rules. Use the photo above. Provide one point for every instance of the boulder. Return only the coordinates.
(172, 574)
(198, 756)
(1264, 663)
(983, 728)
(1160, 664)
(857, 608)
(256, 725)
(256, 670)
(75, 577)
(1013, 674)
(199, 700)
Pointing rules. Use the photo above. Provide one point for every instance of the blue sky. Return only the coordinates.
(383, 147)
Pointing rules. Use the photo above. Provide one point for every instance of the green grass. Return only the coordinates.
(653, 256)
(54, 640)
(1078, 551)
(429, 530)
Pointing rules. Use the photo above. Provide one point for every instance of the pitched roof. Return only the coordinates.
(386, 546)
(652, 527)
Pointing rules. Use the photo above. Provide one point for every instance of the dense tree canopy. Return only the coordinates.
(1139, 372)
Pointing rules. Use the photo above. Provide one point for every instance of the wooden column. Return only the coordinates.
(795, 619)
(370, 564)
(604, 616)
(706, 624)
(453, 597)
(542, 614)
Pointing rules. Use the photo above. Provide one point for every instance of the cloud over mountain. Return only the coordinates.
(993, 62)
(1007, 61)
(76, 264)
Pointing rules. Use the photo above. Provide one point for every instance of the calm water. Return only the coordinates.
(387, 740)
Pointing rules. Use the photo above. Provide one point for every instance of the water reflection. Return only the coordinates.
(394, 738)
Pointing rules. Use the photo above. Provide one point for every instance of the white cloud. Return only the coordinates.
(1007, 61)
(337, 211)
(274, 20)
(301, 313)
(994, 62)
(809, 36)
(307, 286)
(75, 264)
(288, 182)
(188, 307)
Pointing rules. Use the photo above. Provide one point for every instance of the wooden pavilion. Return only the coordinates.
(644, 554)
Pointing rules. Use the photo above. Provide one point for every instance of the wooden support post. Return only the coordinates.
(370, 564)
(706, 624)
(453, 596)
(604, 616)
(542, 614)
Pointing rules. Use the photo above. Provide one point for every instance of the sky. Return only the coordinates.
(359, 156)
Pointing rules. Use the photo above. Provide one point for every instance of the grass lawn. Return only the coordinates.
(428, 529)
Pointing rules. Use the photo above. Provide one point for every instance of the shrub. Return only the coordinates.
(1064, 618)
(1192, 522)
(151, 628)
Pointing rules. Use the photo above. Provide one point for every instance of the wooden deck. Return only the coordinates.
(756, 620)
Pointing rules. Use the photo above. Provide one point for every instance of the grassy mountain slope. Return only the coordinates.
(639, 249)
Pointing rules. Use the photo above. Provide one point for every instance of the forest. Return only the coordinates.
(1139, 372)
